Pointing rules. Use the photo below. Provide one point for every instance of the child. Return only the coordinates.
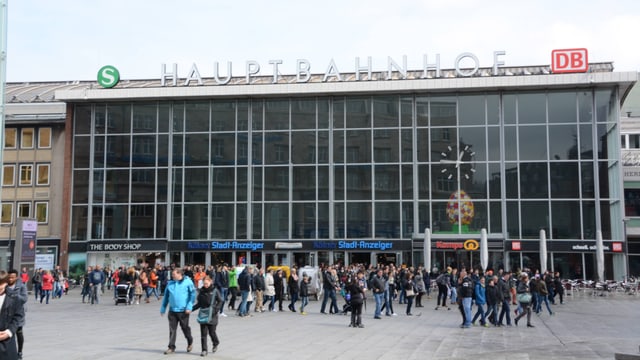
(137, 291)
(304, 293)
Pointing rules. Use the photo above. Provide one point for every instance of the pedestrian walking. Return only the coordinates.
(179, 296)
(209, 297)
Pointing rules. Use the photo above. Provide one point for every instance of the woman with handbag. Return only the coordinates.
(209, 304)
(524, 298)
(410, 291)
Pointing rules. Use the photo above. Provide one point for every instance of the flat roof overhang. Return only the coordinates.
(625, 80)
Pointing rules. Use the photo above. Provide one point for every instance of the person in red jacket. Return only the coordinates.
(47, 285)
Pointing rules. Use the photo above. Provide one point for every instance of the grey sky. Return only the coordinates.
(71, 40)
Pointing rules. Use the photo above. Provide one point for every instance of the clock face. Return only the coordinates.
(457, 160)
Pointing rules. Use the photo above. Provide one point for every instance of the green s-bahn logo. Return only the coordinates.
(108, 76)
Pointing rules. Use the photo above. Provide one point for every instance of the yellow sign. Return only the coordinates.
(471, 245)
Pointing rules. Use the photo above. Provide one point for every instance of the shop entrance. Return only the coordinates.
(301, 259)
(276, 259)
(360, 258)
(387, 258)
(219, 258)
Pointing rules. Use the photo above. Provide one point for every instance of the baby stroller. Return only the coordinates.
(122, 294)
(347, 302)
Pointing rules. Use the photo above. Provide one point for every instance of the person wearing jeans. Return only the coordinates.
(378, 293)
(524, 288)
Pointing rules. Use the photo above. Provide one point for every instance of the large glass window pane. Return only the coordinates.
(589, 219)
(532, 141)
(480, 219)
(471, 110)
(443, 142)
(195, 221)
(196, 116)
(513, 220)
(116, 186)
(441, 221)
(532, 109)
(323, 220)
(303, 114)
(535, 216)
(163, 150)
(605, 103)
(587, 179)
(407, 181)
(358, 112)
(257, 221)
(196, 149)
(422, 142)
(495, 217)
(359, 182)
(338, 176)
(304, 183)
(78, 222)
(443, 111)
(81, 186)
(276, 183)
(223, 115)
(177, 222)
(241, 221)
(161, 221)
(116, 221)
(196, 184)
(144, 151)
(82, 121)
(276, 114)
(323, 183)
(118, 118)
(338, 147)
(222, 184)
(562, 107)
(143, 183)
(495, 190)
(406, 214)
(603, 169)
(142, 222)
(222, 224)
(406, 111)
(145, 118)
(406, 145)
(559, 146)
(118, 151)
(585, 107)
(323, 147)
(565, 217)
(424, 181)
(422, 111)
(533, 180)
(257, 115)
(493, 109)
(241, 184)
(164, 118)
(510, 143)
(304, 221)
(424, 218)
(385, 146)
(358, 146)
(387, 220)
(223, 149)
(303, 147)
(509, 108)
(476, 184)
(385, 111)
(586, 143)
(474, 139)
(162, 184)
(564, 178)
(323, 113)
(387, 182)
(100, 117)
(177, 183)
(359, 220)
(338, 214)
(256, 148)
(277, 147)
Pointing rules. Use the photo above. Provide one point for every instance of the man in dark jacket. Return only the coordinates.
(377, 284)
(244, 284)
(222, 284)
(259, 286)
(17, 289)
(504, 292)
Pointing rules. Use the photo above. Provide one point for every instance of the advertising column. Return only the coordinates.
(25, 246)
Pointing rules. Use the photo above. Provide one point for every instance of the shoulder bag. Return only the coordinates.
(524, 298)
(205, 314)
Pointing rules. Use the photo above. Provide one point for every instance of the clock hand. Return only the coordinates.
(459, 158)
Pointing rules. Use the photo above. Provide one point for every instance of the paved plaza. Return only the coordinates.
(585, 327)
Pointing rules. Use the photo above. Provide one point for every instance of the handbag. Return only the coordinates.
(410, 292)
(205, 314)
(524, 298)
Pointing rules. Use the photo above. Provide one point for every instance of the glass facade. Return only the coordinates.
(384, 166)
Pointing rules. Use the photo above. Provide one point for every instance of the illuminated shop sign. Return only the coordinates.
(466, 64)
(109, 246)
(236, 245)
(470, 245)
(353, 245)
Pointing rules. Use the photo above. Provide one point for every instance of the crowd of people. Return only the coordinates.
(252, 289)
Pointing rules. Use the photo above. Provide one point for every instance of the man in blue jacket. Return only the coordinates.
(179, 295)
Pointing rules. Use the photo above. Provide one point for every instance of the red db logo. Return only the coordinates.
(569, 60)
(617, 247)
